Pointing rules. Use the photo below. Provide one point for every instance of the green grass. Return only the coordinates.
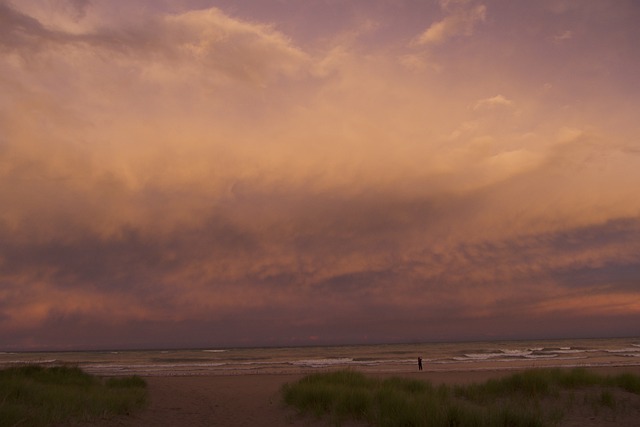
(533, 398)
(37, 396)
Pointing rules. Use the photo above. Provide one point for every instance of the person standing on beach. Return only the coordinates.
(419, 363)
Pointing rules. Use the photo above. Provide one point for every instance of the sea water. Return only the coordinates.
(370, 358)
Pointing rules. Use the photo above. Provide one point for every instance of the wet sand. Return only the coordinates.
(255, 400)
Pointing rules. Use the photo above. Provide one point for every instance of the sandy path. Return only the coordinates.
(247, 400)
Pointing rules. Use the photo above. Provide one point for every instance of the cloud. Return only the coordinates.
(461, 19)
(18, 30)
(206, 39)
(493, 102)
(565, 35)
(238, 49)
(79, 8)
(405, 258)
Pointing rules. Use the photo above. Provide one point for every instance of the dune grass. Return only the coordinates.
(533, 398)
(37, 396)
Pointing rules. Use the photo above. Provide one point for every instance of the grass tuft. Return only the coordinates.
(511, 401)
(626, 381)
(34, 396)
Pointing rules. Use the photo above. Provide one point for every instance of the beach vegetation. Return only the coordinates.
(33, 396)
(532, 398)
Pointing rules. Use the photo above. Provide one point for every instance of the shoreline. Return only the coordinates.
(255, 399)
(392, 358)
(388, 367)
(391, 369)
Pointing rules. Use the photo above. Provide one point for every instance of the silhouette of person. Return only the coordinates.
(419, 363)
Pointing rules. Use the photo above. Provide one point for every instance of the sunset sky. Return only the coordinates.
(200, 173)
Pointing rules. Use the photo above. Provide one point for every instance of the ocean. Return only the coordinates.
(368, 358)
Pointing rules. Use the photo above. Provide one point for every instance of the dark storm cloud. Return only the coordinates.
(207, 38)
(347, 248)
(79, 8)
(18, 30)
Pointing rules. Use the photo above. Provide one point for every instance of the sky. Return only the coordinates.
(201, 173)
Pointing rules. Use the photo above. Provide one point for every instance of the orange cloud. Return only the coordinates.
(461, 19)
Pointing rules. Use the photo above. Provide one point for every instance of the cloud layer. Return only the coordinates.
(192, 177)
(460, 20)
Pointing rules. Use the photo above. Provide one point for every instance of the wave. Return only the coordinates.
(624, 350)
(507, 355)
(320, 363)
(382, 358)
(564, 350)
(511, 353)
(348, 361)
(501, 353)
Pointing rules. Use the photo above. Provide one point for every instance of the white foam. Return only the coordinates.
(509, 359)
(478, 356)
(319, 363)
(516, 353)
(500, 353)
(624, 350)
(566, 350)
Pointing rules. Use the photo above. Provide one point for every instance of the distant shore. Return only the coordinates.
(255, 400)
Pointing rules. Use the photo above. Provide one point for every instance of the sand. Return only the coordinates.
(254, 400)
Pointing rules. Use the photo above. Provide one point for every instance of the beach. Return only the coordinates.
(255, 400)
